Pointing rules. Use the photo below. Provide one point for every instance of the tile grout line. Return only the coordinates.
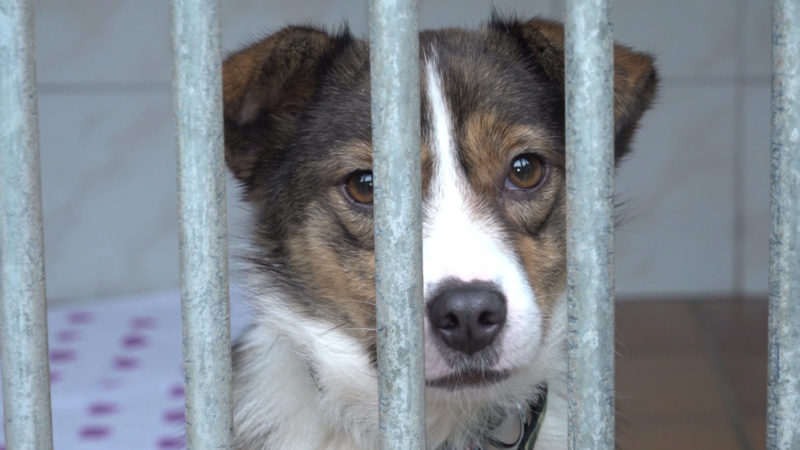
(738, 185)
(114, 87)
(733, 412)
(104, 87)
(716, 80)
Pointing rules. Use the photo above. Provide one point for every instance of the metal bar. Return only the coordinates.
(203, 229)
(26, 373)
(589, 92)
(394, 63)
(783, 396)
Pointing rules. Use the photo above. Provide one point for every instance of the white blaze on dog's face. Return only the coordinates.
(464, 245)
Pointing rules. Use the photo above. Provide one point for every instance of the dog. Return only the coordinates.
(298, 140)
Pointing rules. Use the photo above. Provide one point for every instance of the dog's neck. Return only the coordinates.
(277, 384)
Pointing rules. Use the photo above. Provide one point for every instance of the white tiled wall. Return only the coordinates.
(756, 130)
(107, 138)
(676, 188)
(108, 184)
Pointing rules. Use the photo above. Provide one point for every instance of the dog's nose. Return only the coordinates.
(468, 316)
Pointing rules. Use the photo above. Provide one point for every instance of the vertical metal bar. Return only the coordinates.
(590, 227)
(394, 63)
(26, 373)
(203, 229)
(784, 280)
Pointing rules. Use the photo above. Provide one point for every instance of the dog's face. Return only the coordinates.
(298, 138)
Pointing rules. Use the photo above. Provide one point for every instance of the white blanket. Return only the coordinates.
(116, 373)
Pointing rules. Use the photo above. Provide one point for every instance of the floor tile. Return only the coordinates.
(678, 361)
(747, 377)
(739, 326)
(655, 326)
(684, 434)
(756, 429)
(667, 386)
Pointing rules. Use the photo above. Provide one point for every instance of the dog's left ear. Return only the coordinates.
(635, 77)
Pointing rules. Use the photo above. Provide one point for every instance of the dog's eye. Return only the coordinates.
(359, 186)
(527, 171)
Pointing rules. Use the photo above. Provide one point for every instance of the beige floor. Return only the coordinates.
(691, 374)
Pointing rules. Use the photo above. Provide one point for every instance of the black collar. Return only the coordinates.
(530, 424)
(536, 412)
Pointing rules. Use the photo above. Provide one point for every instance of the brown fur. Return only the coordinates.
(635, 77)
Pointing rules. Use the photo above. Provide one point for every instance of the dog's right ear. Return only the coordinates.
(266, 86)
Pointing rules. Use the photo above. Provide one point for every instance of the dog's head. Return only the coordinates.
(298, 138)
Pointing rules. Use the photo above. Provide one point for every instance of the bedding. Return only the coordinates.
(117, 372)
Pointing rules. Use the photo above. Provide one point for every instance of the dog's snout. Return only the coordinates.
(468, 316)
